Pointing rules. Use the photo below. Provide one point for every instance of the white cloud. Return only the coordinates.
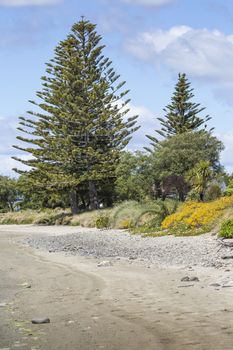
(201, 53)
(7, 164)
(27, 2)
(148, 122)
(7, 134)
(156, 3)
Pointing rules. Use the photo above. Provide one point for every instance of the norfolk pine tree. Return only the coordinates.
(181, 115)
(80, 126)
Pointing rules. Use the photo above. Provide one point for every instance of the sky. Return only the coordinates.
(149, 43)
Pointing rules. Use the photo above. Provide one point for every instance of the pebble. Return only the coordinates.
(224, 257)
(228, 284)
(189, 279)
(132, 258)
(104, 263)
(40, 320)
(186, 285)
(26, 285)
(215, 285)
(200, 250)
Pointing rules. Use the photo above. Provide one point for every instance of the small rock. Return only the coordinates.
(189, 279)
(3, 304)
(104, 263)
(25, 284)
(215, 285)
(186, 285)
(185, 279)
(40, 320)
(132, 258)
(224, 257)
(228, 285)
(194, 279)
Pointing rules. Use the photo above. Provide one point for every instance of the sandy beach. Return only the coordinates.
(120, 304)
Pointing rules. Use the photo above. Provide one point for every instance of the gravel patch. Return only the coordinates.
(204, 250)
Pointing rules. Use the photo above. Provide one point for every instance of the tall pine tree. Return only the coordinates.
(79, 127)
(181, 115)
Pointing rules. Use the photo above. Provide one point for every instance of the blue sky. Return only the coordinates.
(149, 42)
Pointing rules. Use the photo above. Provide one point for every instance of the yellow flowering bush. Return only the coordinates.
(196, 214)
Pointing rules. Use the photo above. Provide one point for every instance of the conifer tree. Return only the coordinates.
(181, 115)
(79, 127)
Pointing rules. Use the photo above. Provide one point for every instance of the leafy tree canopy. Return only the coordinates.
(180, 153)
(134, 176)
(8, 193)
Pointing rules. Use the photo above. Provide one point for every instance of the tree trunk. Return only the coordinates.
(11, 206)
(201, 196)
(84, 206)
(74, 201)
(93, 196)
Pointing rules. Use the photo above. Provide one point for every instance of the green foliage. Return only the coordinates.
(138, 216)
(127, 210)
(229, 189)
(193, 195)
(199, 177)
(102, 221)
(183, 229)
(40, 198)
(152, 215)
(145, 231)
(76, 137)
(180, 153)
(134, 177)
(226, 230)
(8, 193)
(181, 115)
(213, 192)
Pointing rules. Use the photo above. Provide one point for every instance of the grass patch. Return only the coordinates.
(133, 214)
(139, 218)
(127, 215)
(226, 230)
(18, 218)
(44, 217)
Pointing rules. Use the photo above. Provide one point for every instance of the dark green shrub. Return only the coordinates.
(213, 192)
(102, 221)
(193, 195)
(226, 230)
